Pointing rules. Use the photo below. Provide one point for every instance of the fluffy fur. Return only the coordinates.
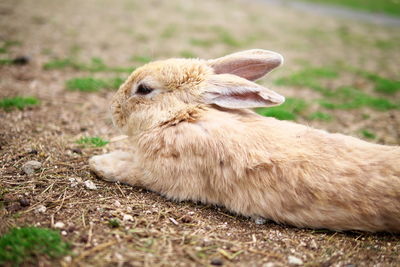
(191, 142)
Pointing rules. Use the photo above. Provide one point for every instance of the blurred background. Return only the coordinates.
(341, 67)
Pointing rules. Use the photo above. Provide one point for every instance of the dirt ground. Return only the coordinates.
(153, 230)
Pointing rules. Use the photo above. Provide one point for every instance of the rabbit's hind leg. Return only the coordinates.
(114, 166)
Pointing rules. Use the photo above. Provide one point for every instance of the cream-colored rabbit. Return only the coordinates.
(194, 137)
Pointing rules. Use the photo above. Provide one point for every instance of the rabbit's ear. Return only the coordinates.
(249, 64)
(230, 91)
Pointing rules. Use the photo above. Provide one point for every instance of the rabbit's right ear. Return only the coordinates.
(233, 92)
(250, 64)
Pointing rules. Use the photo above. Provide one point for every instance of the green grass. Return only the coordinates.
(114, 223)
(6, 61)
(225, 37)
(308, 77)
(345, 97)
(24, 245)
(320, 116)
(382, 85)
(142, 59)
(287, 111)
(92, 141)
(90, 84)
(7, 44)
(391, 7)
(95, 65)
(368, 134)
(18, 102)
(187, 54)
(352, 98)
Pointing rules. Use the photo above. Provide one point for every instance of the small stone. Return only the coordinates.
(186, 219)
(173, 221)
(24, 202)
(59, 225)
(294, 260)
(68, 259)
(21, 60)
(313, 244)
(41, 209)
(33, 152)
(30, 167)
(260, 220)
(76, 150)
(64, 233)
(90, 185)
(127, 217)
(117, 203)
(217, 262)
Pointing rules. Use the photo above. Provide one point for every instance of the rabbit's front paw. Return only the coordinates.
(113, 166)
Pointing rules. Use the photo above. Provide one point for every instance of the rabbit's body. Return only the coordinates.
(257, 166)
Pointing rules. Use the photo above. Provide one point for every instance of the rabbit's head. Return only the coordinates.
(158, 91)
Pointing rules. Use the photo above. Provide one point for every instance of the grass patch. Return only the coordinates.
(114, 223)
(169, 31)
(18, 102)
(24, 245)
(95, 65)
(368, 134)
(391, 7)
(320, 116)
(7, 44)
(6, 61)
(287, 111)
(92, 141)
(382, 85)
(142, 59)
(352, 98)
(206, 43)
(308, 78)
(89, 84)
(346, 97)
(226, 37)
(187, 54)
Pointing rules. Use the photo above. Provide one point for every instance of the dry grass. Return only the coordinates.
(161, 232)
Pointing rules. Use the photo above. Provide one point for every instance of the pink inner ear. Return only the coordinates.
(250, 69)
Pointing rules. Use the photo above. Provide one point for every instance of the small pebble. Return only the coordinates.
(313, 244)
(59, 225)
(127, 217)
(33, 152)
(64, 233)
(24, 202)
(90, 185)
(21, 60)
(41, 209)
(294, 260)
(260, 220)
(216, 262)
(117, 203)
(76, 150)
(29, 167)
(186, 219)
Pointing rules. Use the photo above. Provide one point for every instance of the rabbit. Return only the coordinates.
(194, 136)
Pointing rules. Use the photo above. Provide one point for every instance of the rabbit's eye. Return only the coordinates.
(143, 89)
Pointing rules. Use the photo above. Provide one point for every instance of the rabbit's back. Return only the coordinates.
(290, 173)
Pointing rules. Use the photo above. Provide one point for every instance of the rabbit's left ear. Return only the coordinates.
(250, 64)
(230, 91)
